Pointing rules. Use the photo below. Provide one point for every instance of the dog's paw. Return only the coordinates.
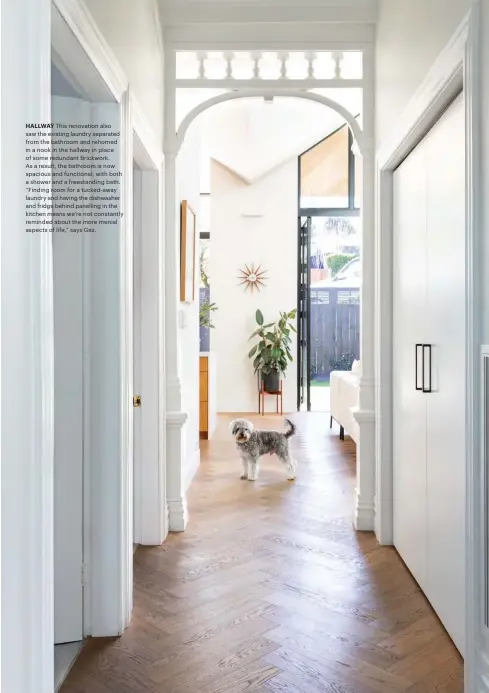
(291, 478)
(243, 477)
(252, 478)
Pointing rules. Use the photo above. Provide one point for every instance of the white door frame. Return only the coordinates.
(363, 511)
(76, 42)
(456, 68)
(108, 516)
(28, 353)
(150, 511)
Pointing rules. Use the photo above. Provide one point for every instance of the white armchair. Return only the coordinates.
(344, 386)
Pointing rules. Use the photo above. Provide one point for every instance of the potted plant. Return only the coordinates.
(272, 355)
(205, 323)
(206, 308)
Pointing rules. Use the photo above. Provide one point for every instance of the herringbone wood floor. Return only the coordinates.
(270, 590)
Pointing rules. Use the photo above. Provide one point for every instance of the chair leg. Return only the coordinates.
(342, 433)
(331, 422)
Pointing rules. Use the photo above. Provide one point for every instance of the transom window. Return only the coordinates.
(269, 65)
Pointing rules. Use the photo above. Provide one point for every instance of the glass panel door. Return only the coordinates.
(303, 323)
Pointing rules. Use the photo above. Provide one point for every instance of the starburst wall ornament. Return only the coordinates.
(252, 278)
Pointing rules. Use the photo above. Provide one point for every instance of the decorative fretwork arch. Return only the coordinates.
(350, 119)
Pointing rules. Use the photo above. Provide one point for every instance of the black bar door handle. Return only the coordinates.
(416, 352)
(427, 347)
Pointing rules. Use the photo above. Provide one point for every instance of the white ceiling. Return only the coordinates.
(251, 137)
(205, 11)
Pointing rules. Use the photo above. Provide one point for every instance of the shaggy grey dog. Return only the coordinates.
(253, 444)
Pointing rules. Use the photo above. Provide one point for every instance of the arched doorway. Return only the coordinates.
(363, 514)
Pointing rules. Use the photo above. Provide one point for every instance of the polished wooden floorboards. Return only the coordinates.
(270, 590)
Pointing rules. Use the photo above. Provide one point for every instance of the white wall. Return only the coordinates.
(132, 31)
(410, 35)
(188, 188)
(269, 240)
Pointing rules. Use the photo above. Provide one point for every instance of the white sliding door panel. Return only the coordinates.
(68, 407)
(409, 434)
(446, 403)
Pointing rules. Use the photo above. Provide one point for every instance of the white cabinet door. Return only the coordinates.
(409, 432)
(446, 403)
(68, 406)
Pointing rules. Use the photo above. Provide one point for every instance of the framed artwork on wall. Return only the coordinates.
(188, 243)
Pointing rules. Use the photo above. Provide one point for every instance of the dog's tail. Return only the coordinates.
(292, 429)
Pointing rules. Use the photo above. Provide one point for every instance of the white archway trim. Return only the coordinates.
(260, 93)
(363, 513)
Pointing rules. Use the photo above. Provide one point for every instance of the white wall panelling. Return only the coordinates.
(429, 427)
(457, 65)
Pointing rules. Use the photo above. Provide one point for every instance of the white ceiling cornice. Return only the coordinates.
(290, 36)
(183, 12)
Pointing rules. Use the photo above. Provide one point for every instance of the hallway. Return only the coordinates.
(271, 590)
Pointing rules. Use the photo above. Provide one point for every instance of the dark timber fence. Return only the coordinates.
(335, 329)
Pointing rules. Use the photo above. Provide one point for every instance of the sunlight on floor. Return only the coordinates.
(320, 398)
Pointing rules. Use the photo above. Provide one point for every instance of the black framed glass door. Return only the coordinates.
(303, 322)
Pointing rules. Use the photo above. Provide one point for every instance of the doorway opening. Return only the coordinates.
(83, 291)
(247, 205)
(70, 271)
(329, 267)
(149, 526)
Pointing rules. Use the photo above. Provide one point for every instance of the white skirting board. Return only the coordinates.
(192, 467)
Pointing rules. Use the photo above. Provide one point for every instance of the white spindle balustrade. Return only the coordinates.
(269, 65)
(201, 57)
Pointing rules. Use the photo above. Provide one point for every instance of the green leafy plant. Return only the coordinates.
(273, 349)
(203, 267)
(337, 262)
(206, 309)
(343, 363)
